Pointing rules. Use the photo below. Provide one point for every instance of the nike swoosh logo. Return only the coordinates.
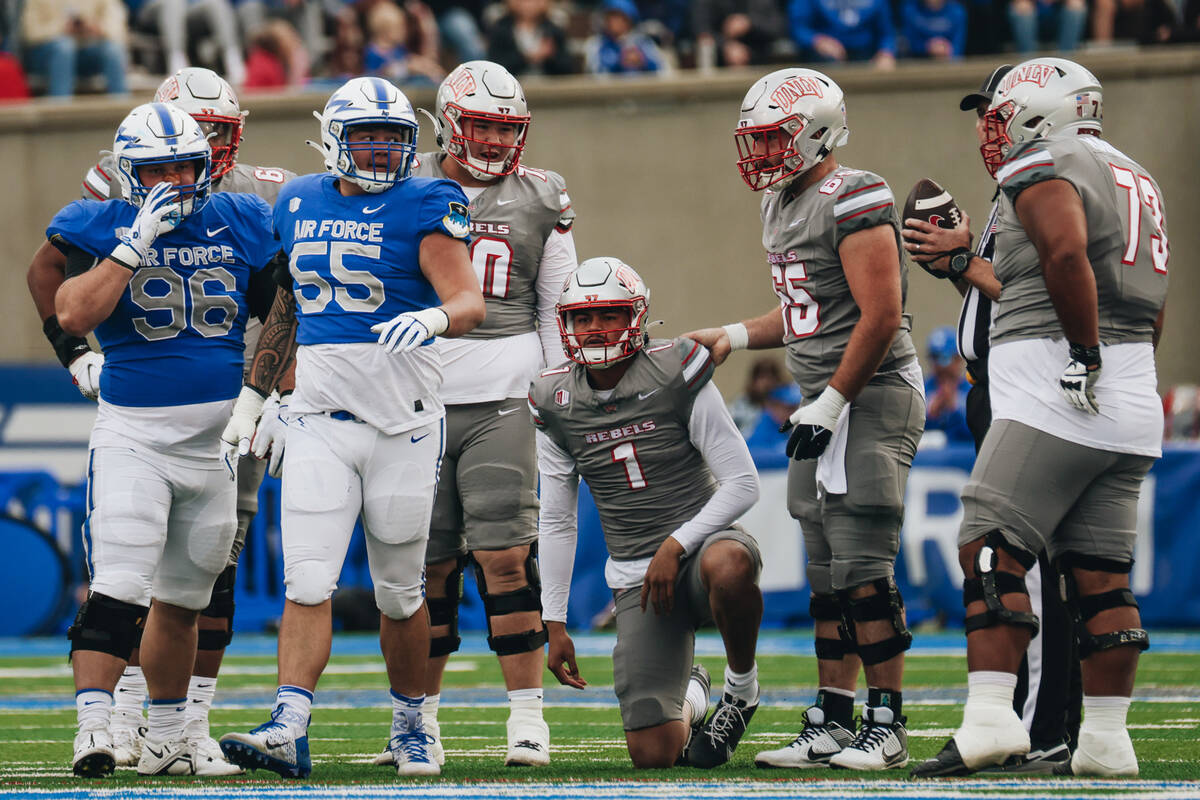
(506, 202)
(373, 210)
(215, 231)
(644, 395)
(416, 439)
(797, 222)
(92, 702)
(504, 412)
(150, 750)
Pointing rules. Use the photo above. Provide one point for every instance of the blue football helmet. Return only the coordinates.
(367, 101)
(159, 133)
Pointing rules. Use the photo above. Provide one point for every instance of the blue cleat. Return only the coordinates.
(272, 745)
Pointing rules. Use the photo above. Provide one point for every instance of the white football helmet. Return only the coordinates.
(604, 282)
(160, 133)
(1041, 98)
(481, 92)
(790, 120)
(211, 101)
(367, 101)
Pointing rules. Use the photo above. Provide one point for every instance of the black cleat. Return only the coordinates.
(716, 741)
(699, 675)
(1041, 761)
(946, 764)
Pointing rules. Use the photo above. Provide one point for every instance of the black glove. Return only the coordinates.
(808, 441)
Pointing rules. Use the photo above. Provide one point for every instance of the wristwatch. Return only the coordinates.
(959, 261)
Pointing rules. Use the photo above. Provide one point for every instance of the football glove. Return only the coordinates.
(239, 432)
(1078, 380)
(150, 222)
(408, 330)
(812, 425)
(85, 373)
(271, 435)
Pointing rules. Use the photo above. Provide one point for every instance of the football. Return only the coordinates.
(931, 203)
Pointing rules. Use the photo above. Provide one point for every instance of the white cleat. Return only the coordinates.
(210, 761)
(432, 728)
(174, 757)
(93, 756)
(991, 739)
(818, 742)
(881, 743)
(528, 741)
(127, 744)
(1107, 755)
(410, 752)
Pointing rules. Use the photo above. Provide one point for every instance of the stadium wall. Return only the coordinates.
(650, 168)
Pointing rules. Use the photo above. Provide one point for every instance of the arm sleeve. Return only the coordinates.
(557, 526)
(713, 433)
(79, 260)
(558, 261)
(260, 294)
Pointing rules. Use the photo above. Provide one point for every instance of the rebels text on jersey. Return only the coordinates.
(633, 447)
(175, 336)
(802, 233)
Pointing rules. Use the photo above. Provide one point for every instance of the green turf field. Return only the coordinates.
(351, 718)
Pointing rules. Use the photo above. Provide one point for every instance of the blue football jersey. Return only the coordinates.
(355, 260)
(175, 336)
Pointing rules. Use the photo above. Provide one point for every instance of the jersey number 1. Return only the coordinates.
(627, 454)
(1139, 190)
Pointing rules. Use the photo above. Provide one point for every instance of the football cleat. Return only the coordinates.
(127, 744)
(701, 677)
(881, 743)
(432, 728)
(818, 742)
(1109, 755)
(947, 763)
(209, 758)
(273, 745)
(1038, 761)
(984, 741)
(720, 735)
(93, 756)
(410, 751)
(528, 740)
(173, 757)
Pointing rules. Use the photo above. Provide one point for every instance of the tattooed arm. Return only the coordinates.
(274, 359)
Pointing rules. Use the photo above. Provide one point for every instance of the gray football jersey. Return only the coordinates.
(1127, 240)
(101, 183)
(510, 222)
(801, 234)
(634, 450)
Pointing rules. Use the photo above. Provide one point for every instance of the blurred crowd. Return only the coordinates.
(62, 47)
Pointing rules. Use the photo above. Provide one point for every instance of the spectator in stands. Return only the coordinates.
(387, 54)
(844, 30)
(458, 23)
(1189, 29)
(1036, 20)
(946, 387)
(68, 39)
(765, 375)
(172, 20)
(1142, 21)
(525, 41)
(778, 406)
(619, 48)
(277, 57)
(987, 26)
(741, 32)
(935, 29)
(309, 18)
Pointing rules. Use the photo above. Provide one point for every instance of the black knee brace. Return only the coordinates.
(826, 608)
(989, 584)
(527, 598)
(220, 606)
(444, 611)
(1083, 607)
(107, 625)
(886, 603)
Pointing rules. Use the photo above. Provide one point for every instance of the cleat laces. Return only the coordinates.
(870, 735)
(723, 721)
(414, 745)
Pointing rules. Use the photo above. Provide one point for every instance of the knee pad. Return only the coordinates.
(444, 611)
(990, 583)
(308, 583)
(887, 604)
(1082, 607)
(107, 625)
(220, 606)
(494, 492)
(826, 608)
(399, 602)
(527, 598)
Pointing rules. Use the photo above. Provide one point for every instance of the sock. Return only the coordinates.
(885, 698)
(293, 707)
(166, 719)
(989, 697)
(93, 707)
(129, 698)
(1103, 714)
(200, 697)
(429, 710)
(742, 685)
(836, 705)
(525, 701)
(695, 703)
(406, 712)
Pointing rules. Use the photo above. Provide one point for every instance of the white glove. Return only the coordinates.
(238, 433)
(151, 221)
(85, 372)
(271, 435)
(408, 330)
(812, 425)
(1078, 380)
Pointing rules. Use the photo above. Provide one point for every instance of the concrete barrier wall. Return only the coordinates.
(650, 168)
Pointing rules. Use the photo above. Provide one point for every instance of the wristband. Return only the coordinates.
(66, 347)
(739, 337)
(1088, 356)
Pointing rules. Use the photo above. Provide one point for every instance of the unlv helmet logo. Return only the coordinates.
(461, 84)
(791, 90)
(629, 279)
(1027, 73)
